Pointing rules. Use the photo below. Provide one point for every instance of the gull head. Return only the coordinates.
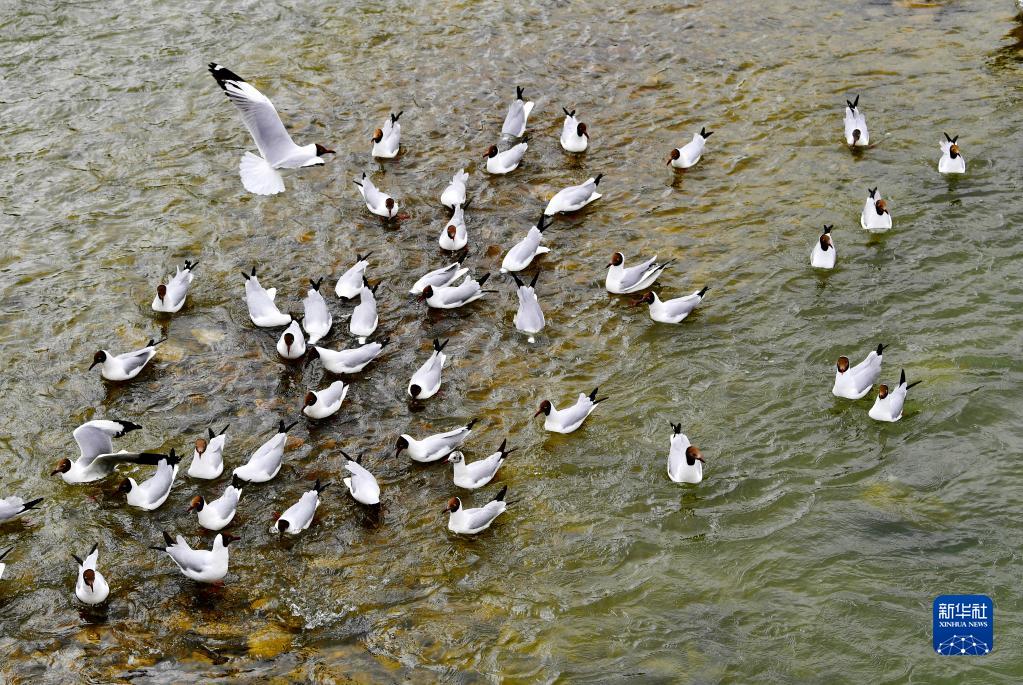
(580, 130)
(63, 466)
(843, 364)
(98, 358)
(456, 458)
(378, 135)
(196, 504)
(675, 154)
(491, 152)
(402, 443)
(200, 446)
(882, 392)
(310, 399)
(454, 504)
(161, 291)
(545, 409)
(617, 259)
(693, 454)
(89, 576)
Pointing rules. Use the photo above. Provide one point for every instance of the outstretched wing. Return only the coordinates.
(258, 113)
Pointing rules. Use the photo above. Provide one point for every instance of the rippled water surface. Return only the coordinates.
(813, 550)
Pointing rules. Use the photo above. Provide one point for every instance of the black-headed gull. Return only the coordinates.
(875, 215)
(672, 311)
(529, 317)
(454, 235)
(438, 278)
(316, 319)
(97, 458)
(434, 447)
(823, 254)
(952, 161)
(574, 198)
(319, 404)
(386, 140)
(454, 193)
(570, 418)
(685, 462)
(523, 252)
(291, 345)
(260, 303)
(454, 296)
(259, 174)
(853, 383)
(472, 521)
(151, 494)
(622, 280)
(480, 472)
(91, 587)
(299, 516)
(208, 456)
(3, 555)
(574, 137)
(360, 482)
(266, 461)
(500, 163)
(14, 506)
(170, 296)
(518, 114)
(426, 380)
(351, 281)
(856, 133)
(377, 201)
(203, 566)
(347, 361)
(364, 318)
(690, 153)
(124, 367)
(217, 514)
(889, 403)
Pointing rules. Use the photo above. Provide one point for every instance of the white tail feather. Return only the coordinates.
(258, 176)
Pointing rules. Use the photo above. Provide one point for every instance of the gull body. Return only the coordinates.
(454, 296)
(472, 521)
(260, 174)
(323, 403)
(13, 506)
(574, 136)
(574, 198)
(500, 163)
(856, 134)
(454, 193)
(351, 282)
(208, 456)
(622, 280)
(480, 472)
(529, 317)
(387, 140)
(351, 360)
(853, 383)
(152, 493)
(690, 153)
(377, 201)
(951, 161)
(299, 516)
(685, 462)
(364, 317)
(523, 252)
(823, 254)
(91, 587)
(888, 405)
(454, 235)
(216, 515)
(434, 447)
(266, 461)
(260, 302)
(518, 113)
(675, 310)
(97, 458)
(316, 318)
(426, 380)
(360, 482)
(875, 215)
(570, 418)
(170, 296)
(124, 367)
(203, 566)
(438, 278)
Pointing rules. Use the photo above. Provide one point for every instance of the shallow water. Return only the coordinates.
(810, 554)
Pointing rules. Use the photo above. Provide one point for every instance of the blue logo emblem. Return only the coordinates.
(964, 625)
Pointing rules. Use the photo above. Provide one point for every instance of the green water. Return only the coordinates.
(816, 545)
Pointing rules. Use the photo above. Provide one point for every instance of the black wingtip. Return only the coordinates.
(5, 553)
(471, 423)
(703, 290)
(439, 346)
(173, 458)
(153, 342)
(501, 494)
(596, 179)
(190, 266)
(518, 281)
(395, 117)
(461, 257)
(167, 538)
(127, 426)
(483, 280)
(223, 74)
(95, 546)
(78, 559)
(880, 349)
(593, 395)
(518, 92)
(872, 191)
(31, 503)
(282, 428)
(224, 429)
(856, 102)
(237, 482)
(320, 488)
(315, 285)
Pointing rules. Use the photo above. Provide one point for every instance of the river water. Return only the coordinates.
(816, 545)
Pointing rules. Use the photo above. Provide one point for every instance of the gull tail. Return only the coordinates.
(258, 176)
